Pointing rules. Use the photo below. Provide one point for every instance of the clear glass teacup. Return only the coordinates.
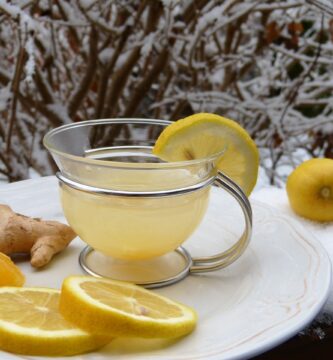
(126, 203)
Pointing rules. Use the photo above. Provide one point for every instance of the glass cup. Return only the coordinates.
(129, 205)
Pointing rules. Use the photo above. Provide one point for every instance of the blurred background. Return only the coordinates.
(266, 64)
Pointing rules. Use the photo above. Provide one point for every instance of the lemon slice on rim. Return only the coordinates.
(31, 324)
(201, 135)
(123, 309)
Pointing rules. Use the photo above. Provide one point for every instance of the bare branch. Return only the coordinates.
(143, 87)
(86, 80)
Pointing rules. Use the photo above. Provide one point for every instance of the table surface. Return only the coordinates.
(315, 343)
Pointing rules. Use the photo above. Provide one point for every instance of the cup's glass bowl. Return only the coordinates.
(116, 154)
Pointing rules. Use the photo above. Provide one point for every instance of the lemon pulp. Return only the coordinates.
(123, 309)
(10, 274)
(31, 324)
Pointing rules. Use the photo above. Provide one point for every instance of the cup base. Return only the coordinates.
(153, 273)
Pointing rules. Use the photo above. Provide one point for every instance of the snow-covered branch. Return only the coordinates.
(266, 64)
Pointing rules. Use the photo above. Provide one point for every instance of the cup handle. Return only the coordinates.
(225, 258)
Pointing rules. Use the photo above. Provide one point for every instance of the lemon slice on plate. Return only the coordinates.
(202, 135)
(10, 274)
(31, 324)
(123, 309)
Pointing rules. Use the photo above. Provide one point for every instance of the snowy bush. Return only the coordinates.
(267, 64)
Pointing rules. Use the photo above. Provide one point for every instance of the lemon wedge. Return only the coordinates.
(202, 135)
(10, 274)
(31, 324)
(123, 309)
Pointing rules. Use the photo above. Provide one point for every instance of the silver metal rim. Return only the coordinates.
(192, 265)
(227, 257)
(146, 284)
(159, 193)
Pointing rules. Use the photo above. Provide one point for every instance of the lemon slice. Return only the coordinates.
(31, 324)
(10, 274)
(123, 309)
(202, 135)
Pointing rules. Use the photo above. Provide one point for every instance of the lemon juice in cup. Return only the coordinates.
(127, 203)
(135, 228)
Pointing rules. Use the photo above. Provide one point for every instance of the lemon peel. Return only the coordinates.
(310, 189)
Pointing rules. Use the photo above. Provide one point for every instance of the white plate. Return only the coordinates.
(274, 290)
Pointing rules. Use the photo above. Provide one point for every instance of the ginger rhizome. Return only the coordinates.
(42, 238)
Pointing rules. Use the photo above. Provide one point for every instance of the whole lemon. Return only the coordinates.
(310, 189)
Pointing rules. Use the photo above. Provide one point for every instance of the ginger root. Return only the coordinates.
(42, 238)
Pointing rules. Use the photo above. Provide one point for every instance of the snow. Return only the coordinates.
(13, 10)
(87, 3)
(70, 11)
(105, 55)
(148, 44)
(4, 97)
(30, 64)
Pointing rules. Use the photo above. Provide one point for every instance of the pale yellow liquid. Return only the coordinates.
(135, 228)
